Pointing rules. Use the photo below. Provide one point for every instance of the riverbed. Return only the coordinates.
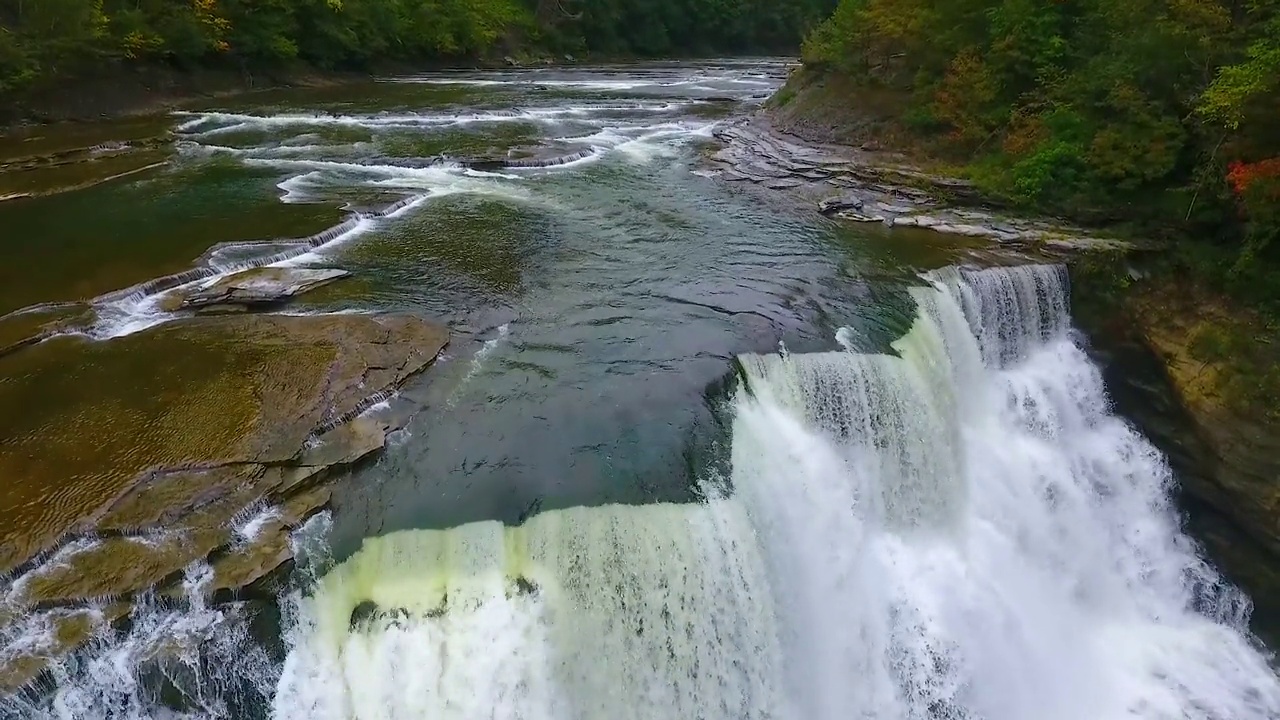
(692, 450)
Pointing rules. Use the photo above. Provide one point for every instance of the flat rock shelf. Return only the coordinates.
(221, 433)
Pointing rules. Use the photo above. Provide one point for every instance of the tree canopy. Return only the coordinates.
(1159, 110)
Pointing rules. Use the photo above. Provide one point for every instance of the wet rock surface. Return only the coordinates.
(221, 431)
(28, 327)
(54, 635)
(228, 399)
(258, 287)
(870, 187)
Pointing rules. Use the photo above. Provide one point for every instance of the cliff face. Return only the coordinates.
(1200, 376)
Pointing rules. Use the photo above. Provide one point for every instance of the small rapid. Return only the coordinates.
(958, 528)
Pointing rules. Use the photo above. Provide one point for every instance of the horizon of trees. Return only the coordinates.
(45, 40)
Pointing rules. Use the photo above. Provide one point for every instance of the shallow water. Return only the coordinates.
(614, 496)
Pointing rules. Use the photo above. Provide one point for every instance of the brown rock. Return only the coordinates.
(117, 567)
(69, 630)
(103, 431)
(259, 286)
(269, 549)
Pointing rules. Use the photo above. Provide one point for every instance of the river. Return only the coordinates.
(694, 451)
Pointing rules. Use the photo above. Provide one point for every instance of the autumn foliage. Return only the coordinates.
(1242, 176)
(1159, 113)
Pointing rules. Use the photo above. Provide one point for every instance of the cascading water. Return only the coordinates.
(958, 530)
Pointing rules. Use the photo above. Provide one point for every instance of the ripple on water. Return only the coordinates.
(82, 419)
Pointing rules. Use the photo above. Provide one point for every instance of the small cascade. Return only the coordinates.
(549, 162)
(174, 656)
(1010, 310)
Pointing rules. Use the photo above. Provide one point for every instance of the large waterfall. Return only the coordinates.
(958, 529)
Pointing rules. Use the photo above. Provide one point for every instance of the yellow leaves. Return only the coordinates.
(207, 12)
(964, 96)
(900, 20)
(138, 44)
(216, 26)
(1200, 15)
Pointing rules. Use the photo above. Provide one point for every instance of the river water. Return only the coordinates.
(695, 452)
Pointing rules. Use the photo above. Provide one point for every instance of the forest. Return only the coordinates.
(1164, 114)
(43, 40)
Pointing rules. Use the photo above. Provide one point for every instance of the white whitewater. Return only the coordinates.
(958, 531)
(617, 612)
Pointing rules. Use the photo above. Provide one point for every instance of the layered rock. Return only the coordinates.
(200, 440)
(181, 417)
(257, 288)
(30, 326)
(863, 186)
(1229, 392)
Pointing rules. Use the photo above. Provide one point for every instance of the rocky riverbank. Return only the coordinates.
(204, 440)
(865, 186)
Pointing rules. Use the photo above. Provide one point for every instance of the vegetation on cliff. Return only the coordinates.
(1159, 112)
(43, 40)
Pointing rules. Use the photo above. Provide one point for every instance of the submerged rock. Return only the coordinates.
(264, 545)
(30, 326)
(116, 568)
(259, 287)
(202, 440)
(185, 423)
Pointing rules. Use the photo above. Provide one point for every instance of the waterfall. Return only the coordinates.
(957, 529)
(614, 612)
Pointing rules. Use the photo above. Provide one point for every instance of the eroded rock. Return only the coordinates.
(30, 326)
(269, 547)
(116, 568)
(878, 187)
(47, 636)
(259, 287)
(184, 421)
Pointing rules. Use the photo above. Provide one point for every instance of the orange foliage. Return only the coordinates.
(1026, 133)
(1242, 175)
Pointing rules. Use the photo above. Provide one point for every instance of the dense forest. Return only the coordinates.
(1164, 113)
(51, 39)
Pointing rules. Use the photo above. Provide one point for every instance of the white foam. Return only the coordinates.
(214, 124)
(580, 613)
(249, 524)
(478, 362)
(115, 676)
